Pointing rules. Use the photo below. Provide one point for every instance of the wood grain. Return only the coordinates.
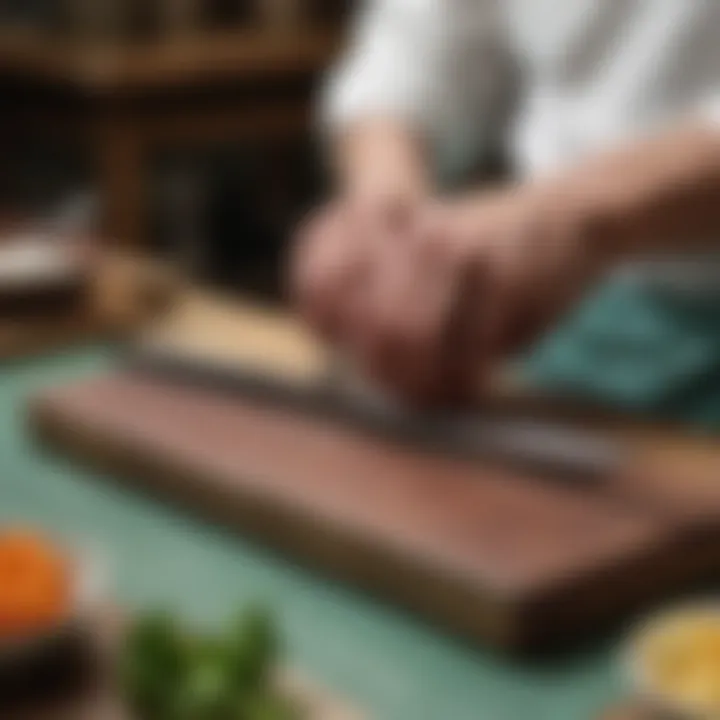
(494, 554)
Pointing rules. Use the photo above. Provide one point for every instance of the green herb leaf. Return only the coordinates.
(269, 707)
(168, 674)
(153, 663)
(253, 648)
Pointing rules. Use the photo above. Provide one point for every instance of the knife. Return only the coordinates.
(543, 446)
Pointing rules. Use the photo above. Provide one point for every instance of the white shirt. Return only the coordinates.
(594, 72)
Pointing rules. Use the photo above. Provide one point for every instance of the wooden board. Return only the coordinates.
(494, 554)
(96, 695)
(491, 552)
(223, 333)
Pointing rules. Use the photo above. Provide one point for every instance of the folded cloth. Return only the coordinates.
(638, 345)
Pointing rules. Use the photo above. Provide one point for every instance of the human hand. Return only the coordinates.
(334, 252)
(382, 178)
(464, 283)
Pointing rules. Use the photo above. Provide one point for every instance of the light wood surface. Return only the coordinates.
(218, 330)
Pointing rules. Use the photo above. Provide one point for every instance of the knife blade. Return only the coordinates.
(541, 445)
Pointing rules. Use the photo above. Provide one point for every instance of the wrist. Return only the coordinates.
(658, 194)
(592, 213)
(382, 159)
(371, 190)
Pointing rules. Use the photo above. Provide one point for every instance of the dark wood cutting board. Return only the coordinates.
(491, 553)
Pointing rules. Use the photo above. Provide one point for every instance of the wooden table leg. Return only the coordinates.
(121, 165)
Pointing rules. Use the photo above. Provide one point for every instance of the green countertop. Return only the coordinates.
(390, 663)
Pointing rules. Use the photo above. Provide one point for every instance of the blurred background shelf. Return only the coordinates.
(98, 66)
(190, 121)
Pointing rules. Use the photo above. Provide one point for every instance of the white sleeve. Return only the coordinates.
(695, 69)
(432, 63)
(711, 109)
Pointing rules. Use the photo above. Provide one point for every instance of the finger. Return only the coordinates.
(404, 327)
(548, 291)
(385, 212)
(326, 268)
(378, 324)
(466, 334)
(310, 279)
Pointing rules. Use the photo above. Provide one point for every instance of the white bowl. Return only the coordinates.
(34, 261)
(638, 672)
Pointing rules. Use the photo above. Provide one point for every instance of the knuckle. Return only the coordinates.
(418, 335)
(432, 245)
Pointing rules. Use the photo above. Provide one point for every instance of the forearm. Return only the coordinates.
(658, 195)
(396, 94)
(380, 157)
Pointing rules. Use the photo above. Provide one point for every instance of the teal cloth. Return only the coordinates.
(638, 348)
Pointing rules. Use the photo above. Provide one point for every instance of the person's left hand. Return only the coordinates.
(471, 281)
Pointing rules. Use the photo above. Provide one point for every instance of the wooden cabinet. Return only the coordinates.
(185, 87)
